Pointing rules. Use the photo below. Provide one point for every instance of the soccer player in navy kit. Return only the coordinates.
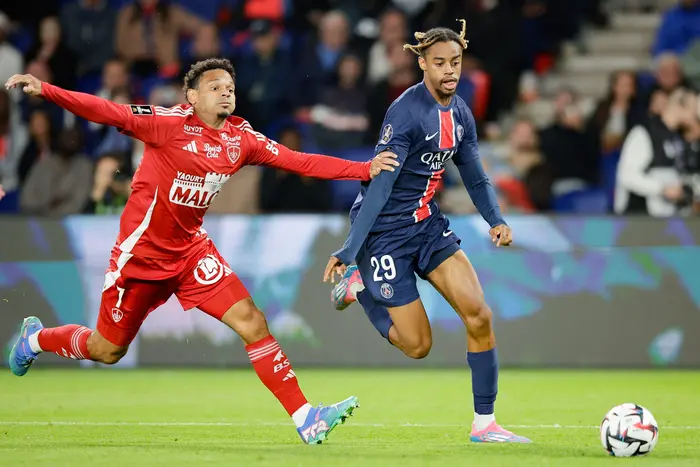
(398, 231)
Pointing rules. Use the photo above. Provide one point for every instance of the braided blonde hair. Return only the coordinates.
(432, 36)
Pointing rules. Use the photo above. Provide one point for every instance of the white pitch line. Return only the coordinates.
(247, 424)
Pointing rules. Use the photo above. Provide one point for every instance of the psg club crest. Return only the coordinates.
(386, 290)
(387, 133)
(234, 153)
(460, 132)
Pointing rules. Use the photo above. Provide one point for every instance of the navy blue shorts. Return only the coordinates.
(389, 261)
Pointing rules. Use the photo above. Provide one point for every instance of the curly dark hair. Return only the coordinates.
(435, 35)
(198, 69)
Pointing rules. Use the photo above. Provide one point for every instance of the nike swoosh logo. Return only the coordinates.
(447, 233)
(428, 138)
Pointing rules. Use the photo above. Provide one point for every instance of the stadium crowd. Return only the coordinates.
(319, 75)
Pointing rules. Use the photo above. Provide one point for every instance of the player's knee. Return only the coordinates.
(419, 351)
(418, 347)
(247, 320)
(479, 318)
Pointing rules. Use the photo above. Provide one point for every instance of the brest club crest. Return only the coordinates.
(233, 152)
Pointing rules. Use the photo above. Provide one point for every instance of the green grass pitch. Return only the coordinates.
(409, 418)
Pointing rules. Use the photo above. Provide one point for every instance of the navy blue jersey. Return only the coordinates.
(425, 136)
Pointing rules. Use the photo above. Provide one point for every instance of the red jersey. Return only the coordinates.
(185, 164)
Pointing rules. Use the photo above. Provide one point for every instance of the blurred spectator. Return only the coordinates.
(148, 34)
(10, 59)
(49, 48)
(88, 27)
(680, 27)
(570, 152)
(59, 184)
(284, 192)
(115, 79)
(13, 139)
(167, 94)
(319, 63)
(261, 95)
(115, 143)
(690, 162)
(40, 144)
(31, 104)
(659, 101)
(648, 180)
(111, 186)
(206, 44)
(340, 117)
(404, 74)
(393, 33)
(668, 75)
(617, 113)
(527, 187)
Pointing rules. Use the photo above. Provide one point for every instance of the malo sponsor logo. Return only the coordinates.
(196, 191)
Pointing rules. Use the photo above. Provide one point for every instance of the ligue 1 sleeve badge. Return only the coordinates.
(387, 133)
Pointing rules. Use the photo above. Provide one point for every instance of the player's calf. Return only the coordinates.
(70, 341)
(103, 351)
(275, 370)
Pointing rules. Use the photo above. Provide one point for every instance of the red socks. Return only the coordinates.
(66, 341)
(275, 372)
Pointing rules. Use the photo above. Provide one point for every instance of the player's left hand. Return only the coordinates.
(28, 83)
(501, 235)
(384, 161)
(334, 266)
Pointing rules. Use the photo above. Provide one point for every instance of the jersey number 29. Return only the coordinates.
(386, 264)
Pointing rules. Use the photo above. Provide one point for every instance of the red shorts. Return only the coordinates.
(135, 286)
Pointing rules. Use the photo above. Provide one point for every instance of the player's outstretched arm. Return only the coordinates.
(83, 105)
(320, 166)
(479, 186)
(376, 197)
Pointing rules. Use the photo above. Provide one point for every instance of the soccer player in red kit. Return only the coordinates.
(162, 249)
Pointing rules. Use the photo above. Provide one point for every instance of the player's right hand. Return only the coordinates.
(334, 266)
(2, 192)
(383, 161)
(28, 83)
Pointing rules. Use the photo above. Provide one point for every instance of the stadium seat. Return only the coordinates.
(10, 203)
(345, 191)
(608, 174)
(590, 201)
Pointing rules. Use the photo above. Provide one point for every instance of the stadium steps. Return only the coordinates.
(635, 22)
(616, 42)
(624, 46)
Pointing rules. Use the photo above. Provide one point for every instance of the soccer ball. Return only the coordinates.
(629, 430)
